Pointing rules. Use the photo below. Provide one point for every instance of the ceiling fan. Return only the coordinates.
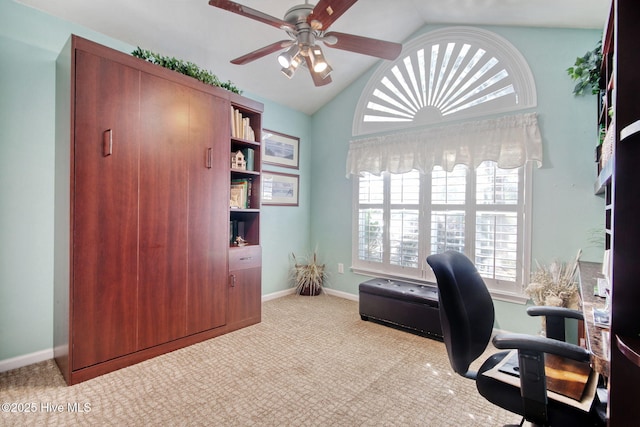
(306, 25)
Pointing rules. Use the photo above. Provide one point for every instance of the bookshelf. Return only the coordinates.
(620, 116)
(245, 170)
(245, 183)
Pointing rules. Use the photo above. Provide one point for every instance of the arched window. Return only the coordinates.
(448, 74)
(438, 164)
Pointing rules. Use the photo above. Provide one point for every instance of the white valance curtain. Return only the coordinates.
(511, 141)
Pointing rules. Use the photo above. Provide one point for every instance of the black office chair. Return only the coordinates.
(467, 317)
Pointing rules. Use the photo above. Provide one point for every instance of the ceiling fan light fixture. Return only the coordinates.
(317, 59)
(286, 58)
(323, 74)
(290, 70)
(306, 25)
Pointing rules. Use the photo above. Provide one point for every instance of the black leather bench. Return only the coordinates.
(402, 304)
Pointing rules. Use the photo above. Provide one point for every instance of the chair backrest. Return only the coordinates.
(466, 309)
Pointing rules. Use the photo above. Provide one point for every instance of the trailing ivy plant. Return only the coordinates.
(586, 71)
(187, 68)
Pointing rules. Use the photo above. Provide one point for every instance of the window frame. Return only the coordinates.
(495, 45)
(499, 289)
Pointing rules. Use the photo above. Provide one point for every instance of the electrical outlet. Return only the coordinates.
(341, 268)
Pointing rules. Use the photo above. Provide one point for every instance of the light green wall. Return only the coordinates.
(565, 209)
(286, 229)
(26, 191)
(564, 205)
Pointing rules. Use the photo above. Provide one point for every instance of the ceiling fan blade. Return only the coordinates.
(263, 51)
(327, 11)
(251, 13)
(317, 80)
(364, 45)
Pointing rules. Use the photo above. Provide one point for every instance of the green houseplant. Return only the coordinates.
(184, 67)
(307, 276)
(586, 71)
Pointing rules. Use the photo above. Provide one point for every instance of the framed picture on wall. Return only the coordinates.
(280, 149)
(280, 189)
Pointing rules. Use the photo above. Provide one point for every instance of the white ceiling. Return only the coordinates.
(210, 37)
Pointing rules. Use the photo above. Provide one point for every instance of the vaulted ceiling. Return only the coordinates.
(210, 37)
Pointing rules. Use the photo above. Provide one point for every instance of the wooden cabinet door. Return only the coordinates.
(208, 210)
(245, 289)
(104, 211)
(163, 210)
(245, 302)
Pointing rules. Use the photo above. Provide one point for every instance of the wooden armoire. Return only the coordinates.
(142, 212)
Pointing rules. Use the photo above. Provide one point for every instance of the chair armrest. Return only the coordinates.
(544, 310)
(541, 344)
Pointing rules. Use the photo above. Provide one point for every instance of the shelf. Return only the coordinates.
(248, 172)
(630, 347)
(604, 177)
(239, 210)
(237, 140)
(250, 245)
(630, 130)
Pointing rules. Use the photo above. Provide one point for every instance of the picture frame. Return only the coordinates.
(280, 189)
(280, 149)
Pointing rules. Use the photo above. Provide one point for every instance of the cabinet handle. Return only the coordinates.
(107, 143)
(246, 258)
(209, 157)
(233, 280)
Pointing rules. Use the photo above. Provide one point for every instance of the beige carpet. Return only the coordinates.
(311, 362)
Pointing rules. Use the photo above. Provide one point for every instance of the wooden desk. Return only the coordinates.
(598, 339)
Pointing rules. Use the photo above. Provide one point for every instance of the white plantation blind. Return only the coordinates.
(371, 218)
(497, 220)
(404, 223)
(402, 218)
(510, 141)
(497, 244)
(448, 192)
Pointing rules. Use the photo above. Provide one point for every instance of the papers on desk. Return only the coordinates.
(577, 376)
(601, 318)
(602, 288)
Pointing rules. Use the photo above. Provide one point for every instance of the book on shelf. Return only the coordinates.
(240, 193)
(249, 158)
(241, 126)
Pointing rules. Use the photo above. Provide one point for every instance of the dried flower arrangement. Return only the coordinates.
(555, 285)
(307, 275)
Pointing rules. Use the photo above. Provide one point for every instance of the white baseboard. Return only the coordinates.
(341, 294)
(290, 291)
(278, 294)
(24, 360)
